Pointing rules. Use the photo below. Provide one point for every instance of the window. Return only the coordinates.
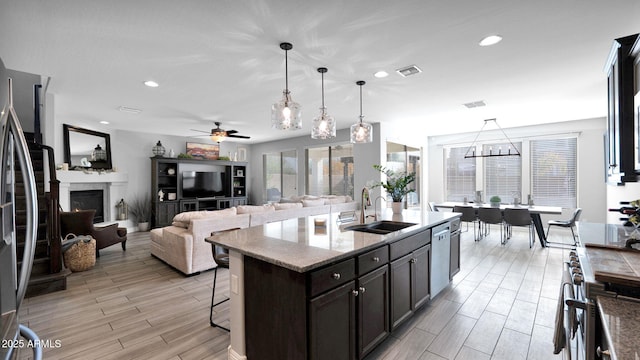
(460, 175)
(330, 170)
(554, 172)
(502, 174)
(402, 158)
(280, 175)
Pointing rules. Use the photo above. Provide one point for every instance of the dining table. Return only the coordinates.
(534, 210)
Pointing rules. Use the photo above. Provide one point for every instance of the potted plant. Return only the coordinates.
(495, 201)
(140, 208)
(396, 185)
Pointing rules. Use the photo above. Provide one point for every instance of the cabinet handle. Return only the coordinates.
(362, 290)
(376, 259)
(354, 292)
(601, 352)
(336, 276)
(413, 261)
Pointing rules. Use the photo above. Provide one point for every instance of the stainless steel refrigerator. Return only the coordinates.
(16, 338)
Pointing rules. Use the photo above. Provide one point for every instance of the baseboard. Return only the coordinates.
(232, 355)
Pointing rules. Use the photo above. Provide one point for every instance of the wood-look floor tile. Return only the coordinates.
(486, 332)
(501, 301)
(437, 317)
(512, 345)
(521, 317)
(467, 353)
(411, 346)
(475, 304)
(541, 347)
(451, 338)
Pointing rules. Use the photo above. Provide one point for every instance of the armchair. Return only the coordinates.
(81, 223)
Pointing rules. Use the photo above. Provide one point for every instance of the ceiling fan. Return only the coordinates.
(219, 135)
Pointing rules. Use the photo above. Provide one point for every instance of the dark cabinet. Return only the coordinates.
(621, 138)
(332, 324)
(373, 313)
(410, 286)
(165, 211)
(454, 262)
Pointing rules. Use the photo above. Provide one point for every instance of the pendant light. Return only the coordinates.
(324, 126)
(286, 114)
(471, 151)
(361, 132)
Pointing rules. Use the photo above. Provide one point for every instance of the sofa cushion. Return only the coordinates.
(284, 206)
(254, 209)
(183, 219)
(335, 199)
(315, 202)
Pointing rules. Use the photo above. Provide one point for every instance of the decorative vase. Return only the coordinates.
(396, 207)
(143, 226)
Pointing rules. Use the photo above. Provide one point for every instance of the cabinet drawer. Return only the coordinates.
(372, 259)
(408, 244)
(332, 276)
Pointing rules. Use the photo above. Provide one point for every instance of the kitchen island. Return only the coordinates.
(311, 288)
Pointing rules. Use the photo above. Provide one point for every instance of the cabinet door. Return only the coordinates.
(455, 254)
(332, 328)
(421, 276)
(373, 310)
(165, 211)
(401, 300)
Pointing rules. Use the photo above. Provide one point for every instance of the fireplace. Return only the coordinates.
(87, 200)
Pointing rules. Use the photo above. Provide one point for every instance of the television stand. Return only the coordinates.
(208, 203)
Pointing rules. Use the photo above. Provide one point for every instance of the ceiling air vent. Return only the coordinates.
(475, 104)
(409, 70)
(129, 110)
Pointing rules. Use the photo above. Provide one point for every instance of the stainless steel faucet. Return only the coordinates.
(365, 196)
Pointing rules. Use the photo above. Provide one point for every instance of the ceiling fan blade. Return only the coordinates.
(206, 132)
(229, 132)
(239, 136)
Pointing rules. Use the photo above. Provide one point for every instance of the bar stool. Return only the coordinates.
(571, 223)
(221, 257)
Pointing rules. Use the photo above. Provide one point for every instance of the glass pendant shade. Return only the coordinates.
(361, 132)
(286, 114)
(324, 126)
(218, 136)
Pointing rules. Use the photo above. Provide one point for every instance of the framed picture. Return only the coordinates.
(203, 151)
(242, 154)
(240, 173)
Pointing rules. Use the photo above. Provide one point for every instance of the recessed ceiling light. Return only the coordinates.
(381, 74)
(104, 122)
(129, 110)
(490, 40)
(151, 83)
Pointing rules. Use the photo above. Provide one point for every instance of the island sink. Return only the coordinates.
(380, 227)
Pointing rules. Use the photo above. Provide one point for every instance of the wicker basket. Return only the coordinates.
(80, 256)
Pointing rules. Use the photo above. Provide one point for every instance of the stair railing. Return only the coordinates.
(53, 213)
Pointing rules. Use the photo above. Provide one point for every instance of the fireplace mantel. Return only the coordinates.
(114, 185)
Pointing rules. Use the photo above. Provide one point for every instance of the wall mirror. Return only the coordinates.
(84, 148)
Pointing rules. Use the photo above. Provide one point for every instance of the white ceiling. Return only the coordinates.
(220, 60)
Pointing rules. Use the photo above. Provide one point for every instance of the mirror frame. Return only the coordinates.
(67, 146)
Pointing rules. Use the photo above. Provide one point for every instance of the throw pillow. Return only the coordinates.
(254, 209)
(310, 203)
(283, 206)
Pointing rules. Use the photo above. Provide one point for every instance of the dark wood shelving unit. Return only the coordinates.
(166, 176)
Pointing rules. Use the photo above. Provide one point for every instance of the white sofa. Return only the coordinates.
(182, 245)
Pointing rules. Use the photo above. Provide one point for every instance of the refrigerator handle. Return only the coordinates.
(12, 127)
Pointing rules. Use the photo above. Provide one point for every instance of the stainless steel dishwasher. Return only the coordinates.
(440, 257)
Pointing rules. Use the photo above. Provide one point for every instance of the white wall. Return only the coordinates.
(23, 97)
(592, 191)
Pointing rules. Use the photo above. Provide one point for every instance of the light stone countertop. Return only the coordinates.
(298, 245)
(621, 321)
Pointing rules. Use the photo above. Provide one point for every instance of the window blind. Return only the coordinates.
(460, 175)
(554, 172)
(502, 174)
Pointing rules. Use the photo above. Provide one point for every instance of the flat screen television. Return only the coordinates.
(203, 184)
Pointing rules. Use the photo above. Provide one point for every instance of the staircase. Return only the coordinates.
(47, 274)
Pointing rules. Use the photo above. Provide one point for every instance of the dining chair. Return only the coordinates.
(571, 223)
(489, 216)
(518, 217)
(469, 215)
